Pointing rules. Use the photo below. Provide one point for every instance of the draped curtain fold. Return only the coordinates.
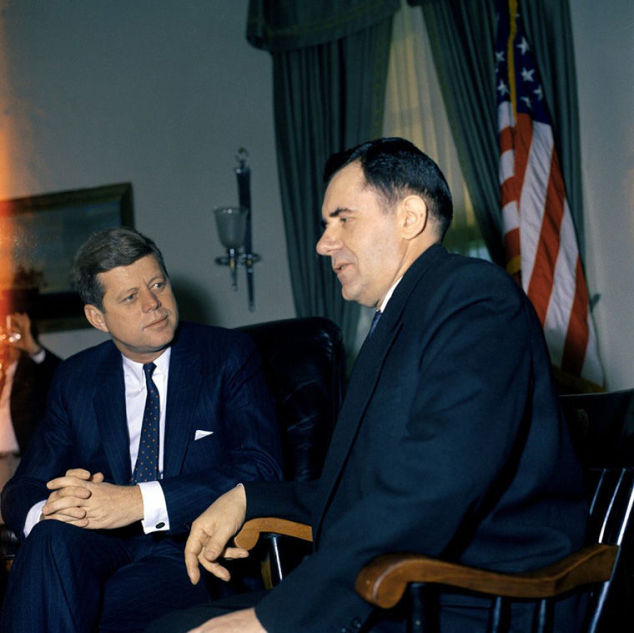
(414, 109)
(330, 64)
(462, 36)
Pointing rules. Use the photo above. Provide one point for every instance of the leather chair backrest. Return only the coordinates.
(602, 427)
(303, 361)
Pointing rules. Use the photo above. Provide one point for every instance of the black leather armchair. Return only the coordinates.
(303, 362)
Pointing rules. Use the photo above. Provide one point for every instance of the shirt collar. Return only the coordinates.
(135, 370)
(389, 294)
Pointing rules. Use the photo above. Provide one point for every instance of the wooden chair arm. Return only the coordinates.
(382, 582)
(250, 533)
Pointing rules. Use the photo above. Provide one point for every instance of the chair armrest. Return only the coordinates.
(250, 533)
(382, 582)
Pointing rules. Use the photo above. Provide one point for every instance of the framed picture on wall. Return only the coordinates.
(39, 236)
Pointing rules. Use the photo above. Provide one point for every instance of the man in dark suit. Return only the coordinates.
(26, 370)
(449, 441)
(139, 433)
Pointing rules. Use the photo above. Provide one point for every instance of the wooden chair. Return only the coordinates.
(603, 431)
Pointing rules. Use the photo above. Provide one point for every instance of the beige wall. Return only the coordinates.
(162, 93)
(604, 48)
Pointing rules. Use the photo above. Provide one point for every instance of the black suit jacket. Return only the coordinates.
(215, 385)
(449, 443)
(28, 394)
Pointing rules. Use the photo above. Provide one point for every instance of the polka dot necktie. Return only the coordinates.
(146, 468)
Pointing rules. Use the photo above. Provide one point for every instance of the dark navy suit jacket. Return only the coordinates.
(28, 394)
(215, 385)
(449, 443)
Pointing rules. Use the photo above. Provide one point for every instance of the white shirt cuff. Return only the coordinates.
(33, 517)
(155, 518)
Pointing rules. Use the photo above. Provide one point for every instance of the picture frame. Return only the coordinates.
(39, 236)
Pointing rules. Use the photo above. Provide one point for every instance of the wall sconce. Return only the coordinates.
(234, 230)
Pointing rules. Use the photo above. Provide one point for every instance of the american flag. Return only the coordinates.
(539, 234)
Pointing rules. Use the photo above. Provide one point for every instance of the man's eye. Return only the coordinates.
(129, 298)
(159, 284)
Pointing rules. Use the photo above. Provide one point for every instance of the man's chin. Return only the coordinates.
(164, 339)
(350, 295)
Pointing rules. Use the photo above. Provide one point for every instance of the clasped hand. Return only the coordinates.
(83, 499)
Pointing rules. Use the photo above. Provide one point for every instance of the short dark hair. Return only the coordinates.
(394, 168)
(105, 250)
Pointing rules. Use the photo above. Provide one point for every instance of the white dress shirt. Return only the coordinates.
(389, 294)
(155, 517)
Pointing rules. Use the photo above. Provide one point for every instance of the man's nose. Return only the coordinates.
(327, 243)
(150, 301)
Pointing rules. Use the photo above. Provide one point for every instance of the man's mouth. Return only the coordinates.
(159, 321)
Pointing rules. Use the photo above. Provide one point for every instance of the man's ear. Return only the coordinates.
(95, 317)
(413, 216)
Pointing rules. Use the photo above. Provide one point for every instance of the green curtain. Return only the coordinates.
(462, 34)
(330, 63)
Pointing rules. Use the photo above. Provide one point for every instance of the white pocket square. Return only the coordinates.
(200, 434)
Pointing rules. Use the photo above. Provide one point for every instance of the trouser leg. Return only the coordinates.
(186, 619)
(147, 589)
(56, 582)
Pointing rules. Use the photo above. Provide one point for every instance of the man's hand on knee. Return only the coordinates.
(244, 621)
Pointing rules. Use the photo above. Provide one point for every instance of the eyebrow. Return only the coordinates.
(333, 214)
(126, 293)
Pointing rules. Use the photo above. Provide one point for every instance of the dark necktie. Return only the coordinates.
(375, 320)
(146, 467)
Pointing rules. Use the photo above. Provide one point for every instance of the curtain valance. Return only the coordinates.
(283, 25)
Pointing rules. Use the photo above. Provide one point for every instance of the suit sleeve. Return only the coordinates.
(431, 481)
(293, 500)
(50, 451)
(250, 439)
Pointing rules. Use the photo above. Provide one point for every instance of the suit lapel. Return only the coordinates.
(110, 411)
(364, 378)
(21, 390)
(182, 396)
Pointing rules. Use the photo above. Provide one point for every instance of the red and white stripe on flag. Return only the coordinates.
(539, 234)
